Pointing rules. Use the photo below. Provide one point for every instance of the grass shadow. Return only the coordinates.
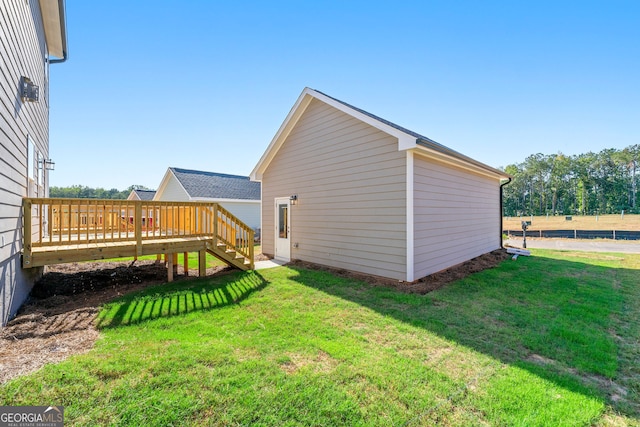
(180, 298)
(569, 322)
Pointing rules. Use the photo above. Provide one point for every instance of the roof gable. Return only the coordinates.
(145, 194)
(407, 139)
(212, 185)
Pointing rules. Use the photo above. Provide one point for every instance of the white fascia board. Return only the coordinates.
(163, 185)
(216, 200)
(460, 163)
(283, 132)
(406, 142)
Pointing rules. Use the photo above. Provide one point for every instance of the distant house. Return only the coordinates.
(137, 194)
(33, 36)
(235, 193)
(344, 188)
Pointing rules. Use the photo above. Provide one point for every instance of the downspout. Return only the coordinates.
(502, 210)
(63, 27)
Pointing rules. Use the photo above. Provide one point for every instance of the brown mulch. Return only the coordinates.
(425, 284)
(460, 271)
(58, 320)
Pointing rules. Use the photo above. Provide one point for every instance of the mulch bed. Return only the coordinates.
(425, 284)
(58, 320)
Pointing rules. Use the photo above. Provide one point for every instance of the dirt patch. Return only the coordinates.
(425, 284)
(460, 271)
(58, 320)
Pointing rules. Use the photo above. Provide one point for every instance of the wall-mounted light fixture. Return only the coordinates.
(29, 92)
(47, 164)
(294, 199)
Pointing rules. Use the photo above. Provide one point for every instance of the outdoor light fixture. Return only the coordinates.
(47, 164)
(28, 91)
(294, 199)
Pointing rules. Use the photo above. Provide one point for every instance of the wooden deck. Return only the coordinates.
(71, 230)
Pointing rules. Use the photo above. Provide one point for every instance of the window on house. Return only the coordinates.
(32, 167)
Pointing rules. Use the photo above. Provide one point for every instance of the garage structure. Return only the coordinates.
(344, 188)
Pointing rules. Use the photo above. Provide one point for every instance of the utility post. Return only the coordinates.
(525, 225)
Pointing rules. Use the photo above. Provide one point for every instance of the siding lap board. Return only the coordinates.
(23, 49)
(350, 182)
(456, 215)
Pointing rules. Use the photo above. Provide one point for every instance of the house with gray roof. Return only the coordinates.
(236, 193)
(139, 194)
(344, 188)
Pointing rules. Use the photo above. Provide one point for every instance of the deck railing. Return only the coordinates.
(65, 221)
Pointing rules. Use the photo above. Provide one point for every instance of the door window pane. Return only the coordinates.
(283, 227)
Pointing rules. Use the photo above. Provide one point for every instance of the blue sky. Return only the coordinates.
(206, 84)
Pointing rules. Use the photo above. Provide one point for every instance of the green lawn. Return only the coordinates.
(550, 340)
(192, 259)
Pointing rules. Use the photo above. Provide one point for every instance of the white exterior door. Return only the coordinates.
(283, 229)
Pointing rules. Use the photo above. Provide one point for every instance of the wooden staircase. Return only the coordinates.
(232, 241)
(230, 256)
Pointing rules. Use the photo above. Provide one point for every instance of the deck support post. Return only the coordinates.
(169, 258)
(175, 263)
(215, 225)
(185, 263)
(138, 227)
(26, 218)
(202, 262)
(251, 250)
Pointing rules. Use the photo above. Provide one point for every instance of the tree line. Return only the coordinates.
(83, 192)
(584, 184)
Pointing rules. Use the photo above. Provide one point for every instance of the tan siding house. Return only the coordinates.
(344, 188)
(32, 34)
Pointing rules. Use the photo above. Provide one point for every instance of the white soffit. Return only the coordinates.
(53, 27)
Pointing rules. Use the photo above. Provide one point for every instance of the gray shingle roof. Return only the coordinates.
(214, 185)
(145, 194)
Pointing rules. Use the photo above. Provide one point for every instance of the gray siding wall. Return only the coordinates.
(23, 48)
(351, 185)
(249, 213)
(456, 216)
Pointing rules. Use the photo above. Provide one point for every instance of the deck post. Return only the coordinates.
(202, 262)
(251, 250)
(169, 267)
(185, 263)
(138, 227)
(26, 218)
(175, 262)
(215, 225)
